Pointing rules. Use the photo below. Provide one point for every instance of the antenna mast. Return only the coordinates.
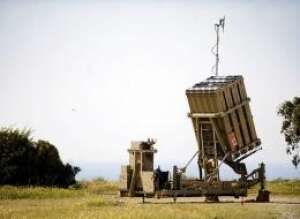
(216, 46)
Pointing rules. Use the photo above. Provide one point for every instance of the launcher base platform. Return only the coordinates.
(144, 182)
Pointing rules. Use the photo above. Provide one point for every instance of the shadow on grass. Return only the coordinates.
(252, 201)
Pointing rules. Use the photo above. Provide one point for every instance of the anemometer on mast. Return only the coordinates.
(215, 49)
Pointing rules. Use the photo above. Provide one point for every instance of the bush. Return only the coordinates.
(25, 162)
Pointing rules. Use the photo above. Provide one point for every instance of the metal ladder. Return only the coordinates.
(208, 150)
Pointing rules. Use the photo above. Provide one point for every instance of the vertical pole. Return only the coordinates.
(216, 154)
(176, 178)
(199, 140)
(142, 161)
(202, 149)
(217, 54)
(143, 198)
(217, 29)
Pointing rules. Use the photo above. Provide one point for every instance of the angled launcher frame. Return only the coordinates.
(222, 103)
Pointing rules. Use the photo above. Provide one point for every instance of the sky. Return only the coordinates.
(90, 76)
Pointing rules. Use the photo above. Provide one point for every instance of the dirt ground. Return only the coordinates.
(292, 200)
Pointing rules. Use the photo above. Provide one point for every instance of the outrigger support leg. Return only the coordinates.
(255, 177)
(263, 195)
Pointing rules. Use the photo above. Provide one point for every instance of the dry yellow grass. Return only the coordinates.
(100, 200)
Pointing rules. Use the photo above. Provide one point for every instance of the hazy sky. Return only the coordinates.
(90, 76)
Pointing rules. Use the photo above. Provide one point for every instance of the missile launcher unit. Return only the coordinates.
(225, 133)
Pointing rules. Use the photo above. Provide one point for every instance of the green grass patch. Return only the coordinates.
(13, 192)
(284, 187)
(102, 187)
(280, 187)
(96, 187)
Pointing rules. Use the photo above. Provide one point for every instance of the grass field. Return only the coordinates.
(99, 199)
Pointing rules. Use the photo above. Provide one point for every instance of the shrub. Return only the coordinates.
(25, 162)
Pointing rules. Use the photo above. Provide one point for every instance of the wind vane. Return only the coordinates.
(215, 49)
